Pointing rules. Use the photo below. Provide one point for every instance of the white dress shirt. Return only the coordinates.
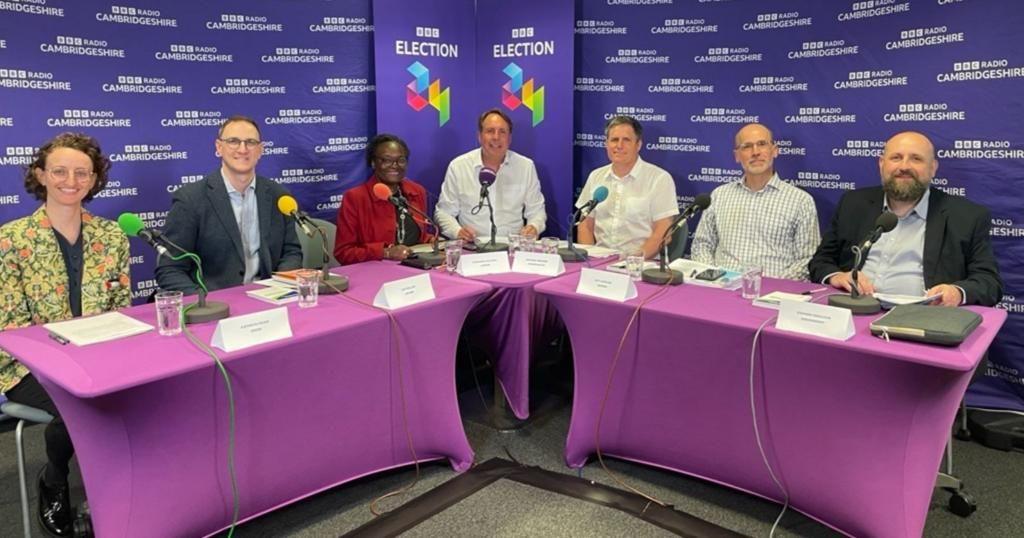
(626, 218)
(515, 195)
(247, 217)
(775, 228)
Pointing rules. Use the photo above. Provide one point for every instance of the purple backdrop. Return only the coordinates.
(833, 80)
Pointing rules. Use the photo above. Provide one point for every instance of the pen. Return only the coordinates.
(59, 339)
(810, 292)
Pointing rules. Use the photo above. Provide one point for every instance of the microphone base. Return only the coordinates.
(492, 247)
(569, 255)
(859, 306)
(211, 311)
(425, 260)
(332, 284)
(659, 277)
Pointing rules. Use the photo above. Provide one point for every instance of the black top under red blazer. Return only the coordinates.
(957, 248)
(366, 224)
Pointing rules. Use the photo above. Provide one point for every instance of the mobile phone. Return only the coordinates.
(710, 274)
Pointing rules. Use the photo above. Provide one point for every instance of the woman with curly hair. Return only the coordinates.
(58, 263)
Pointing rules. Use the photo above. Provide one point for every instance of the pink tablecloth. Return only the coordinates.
(855, 430)
(148, 414)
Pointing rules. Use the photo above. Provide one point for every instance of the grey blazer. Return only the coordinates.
(201, 221)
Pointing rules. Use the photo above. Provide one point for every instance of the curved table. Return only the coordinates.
(148, 414)
(855, 430)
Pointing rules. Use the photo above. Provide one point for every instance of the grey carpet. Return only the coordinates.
(993, 477)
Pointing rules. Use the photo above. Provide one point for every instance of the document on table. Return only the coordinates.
(96, 329)
(890, 300)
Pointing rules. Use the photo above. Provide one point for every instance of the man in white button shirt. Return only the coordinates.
(515, 195)
(759, 220)
(641, 196)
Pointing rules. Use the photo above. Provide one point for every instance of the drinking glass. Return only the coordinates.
(635, 265)
(452, 253)
(168, 312)
(308, 284)
(752, 283)
(549, 245)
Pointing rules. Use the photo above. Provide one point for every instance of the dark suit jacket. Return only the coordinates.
(957, 248)
(201, 221)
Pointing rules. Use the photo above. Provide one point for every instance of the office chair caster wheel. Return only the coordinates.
(962, 504)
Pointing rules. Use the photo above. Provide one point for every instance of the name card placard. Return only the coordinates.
(606, 285)
(537, 263)
(240, 332)
(486, 263)
(815, 319)
(404, 292)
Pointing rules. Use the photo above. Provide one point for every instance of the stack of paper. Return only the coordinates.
(96, 329)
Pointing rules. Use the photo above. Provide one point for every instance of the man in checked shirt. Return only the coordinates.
(759, 221)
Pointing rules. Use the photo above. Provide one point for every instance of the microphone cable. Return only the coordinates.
(235, 497)
(757, 431)
(401, 390)
(608, 387)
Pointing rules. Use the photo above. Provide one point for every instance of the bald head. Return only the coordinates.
(755, 152)
(907, 166)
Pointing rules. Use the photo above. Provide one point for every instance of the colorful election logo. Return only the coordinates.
(436, 97)
(532, 98)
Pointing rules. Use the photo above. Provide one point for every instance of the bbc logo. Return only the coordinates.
(426, 31)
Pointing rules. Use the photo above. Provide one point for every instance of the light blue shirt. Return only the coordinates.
(247, 217)
(895, 263)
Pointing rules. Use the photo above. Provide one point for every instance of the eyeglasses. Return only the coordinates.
(234, 143)
(389, 163)
(62, 174)
(760, 144)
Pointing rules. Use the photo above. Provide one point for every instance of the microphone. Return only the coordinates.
(600, 195)
(486, 178)
(132, 226)
(884, 223)
(855, 302)
(663, 274)
(287, 205)
(426, 260)
(383, 192)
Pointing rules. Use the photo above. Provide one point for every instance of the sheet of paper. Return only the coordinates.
(893, 299)
(99, 328)
(593, 251)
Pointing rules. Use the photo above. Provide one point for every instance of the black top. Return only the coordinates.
(404, 220)
(72, 254)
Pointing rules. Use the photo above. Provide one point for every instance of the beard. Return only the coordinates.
(910, 191)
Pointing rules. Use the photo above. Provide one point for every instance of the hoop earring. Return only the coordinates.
(217, 153)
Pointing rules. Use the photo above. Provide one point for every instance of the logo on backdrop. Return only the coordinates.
(515, 92)
(436, 97)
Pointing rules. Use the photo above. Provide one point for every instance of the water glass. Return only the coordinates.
(308, 285)
(515, 243)
(549, 245)
(452, 253)
(528, 243)
(752, 283)
(635, 266)
(168, 312)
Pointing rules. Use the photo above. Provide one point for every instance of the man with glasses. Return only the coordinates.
(230, 219)
(759, 220)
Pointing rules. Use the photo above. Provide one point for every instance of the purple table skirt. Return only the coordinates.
(855, 430)
(509, 324)
(148, 414)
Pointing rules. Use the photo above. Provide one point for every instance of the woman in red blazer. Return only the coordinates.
(370, 228)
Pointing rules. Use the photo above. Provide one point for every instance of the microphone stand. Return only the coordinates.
(855, 302)
(203, 310)
(571, 253)
(426, 260)
(329, 284)
(663, 274)
(493, 245)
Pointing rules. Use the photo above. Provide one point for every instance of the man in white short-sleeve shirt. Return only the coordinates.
(515, 195)
(641, 196)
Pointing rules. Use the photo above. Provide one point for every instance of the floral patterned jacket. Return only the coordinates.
(34, 281)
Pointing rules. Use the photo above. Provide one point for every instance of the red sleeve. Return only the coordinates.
(349, 241)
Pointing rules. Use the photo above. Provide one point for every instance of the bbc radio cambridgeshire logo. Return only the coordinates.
(515, 92)
(436, 97)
